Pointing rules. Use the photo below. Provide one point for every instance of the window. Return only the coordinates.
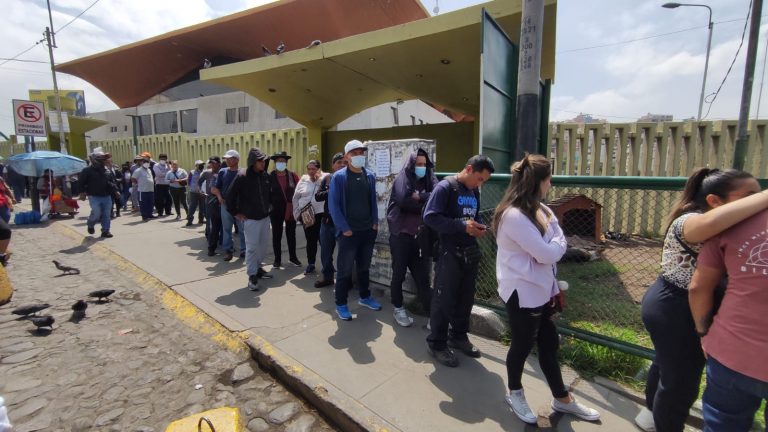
(113, 128)
(189, 120)
(279, 115)
(413, 120)
(242, 115)
(166, 123)
(125, 128)
(145, 125)
(395, 116)
(230, 115)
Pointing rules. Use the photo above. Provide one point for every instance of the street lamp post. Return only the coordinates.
(709, 44)
(135, 137)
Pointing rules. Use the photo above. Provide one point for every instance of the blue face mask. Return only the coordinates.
(358, 161)
(280, 166)
(421, 172)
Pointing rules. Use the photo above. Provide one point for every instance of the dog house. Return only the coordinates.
(578, 215)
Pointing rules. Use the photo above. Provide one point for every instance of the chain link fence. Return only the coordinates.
(615, 229)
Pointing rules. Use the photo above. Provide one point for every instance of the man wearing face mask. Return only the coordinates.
(99, 186)
(163, 199)
(283, 184)
(410, 193)
(352, 203)
(195, 198)
(145, 186)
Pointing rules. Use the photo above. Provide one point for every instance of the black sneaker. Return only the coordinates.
(106, 234)
(324, 283)
(445, 356)
(211, 252)
(276, 264)
(91, 230)
(262, 274)
(189, 223)
(295, 261)
(464, 346)
(242, 254)
(253, 283)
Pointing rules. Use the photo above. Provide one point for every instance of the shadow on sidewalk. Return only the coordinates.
(243, 298)
(354, 336)
(86, 243)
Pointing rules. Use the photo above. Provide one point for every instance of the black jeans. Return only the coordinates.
(277, 237)
(453, 297)
(673, 380)
(162, 199)
(179, 196)
(213, 210)
(531, 326)
(313, 238)
(406, 255)
(355, 253)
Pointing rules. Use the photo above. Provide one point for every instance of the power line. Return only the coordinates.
(23, 52)
(25, 61)
(76, 18)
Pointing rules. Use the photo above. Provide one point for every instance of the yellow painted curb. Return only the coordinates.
(6, 289)
(224, 419)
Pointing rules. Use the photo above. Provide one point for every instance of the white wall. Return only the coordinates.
(381, 116)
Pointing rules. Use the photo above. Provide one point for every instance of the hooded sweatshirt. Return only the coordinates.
(404, 212)
(249, 193)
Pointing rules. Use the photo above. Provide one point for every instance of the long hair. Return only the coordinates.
(703, 182)
(524, 190)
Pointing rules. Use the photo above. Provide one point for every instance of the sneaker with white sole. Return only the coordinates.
(401, 317)
(343, 313)
(516, 401)
(576, 408)
(644, 420)
(370, 303)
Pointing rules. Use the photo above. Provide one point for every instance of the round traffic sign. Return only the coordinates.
(29, 112)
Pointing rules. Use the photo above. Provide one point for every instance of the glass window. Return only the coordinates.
(230, 115)
(279, 115)
(166, 123)
(145, 125)
(125, 128)
(189, 120)
(242, 115)
(395, 116)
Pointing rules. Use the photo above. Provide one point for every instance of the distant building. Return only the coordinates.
(586, 119)
(655, 118)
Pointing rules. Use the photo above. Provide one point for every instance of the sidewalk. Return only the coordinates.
(365, 374)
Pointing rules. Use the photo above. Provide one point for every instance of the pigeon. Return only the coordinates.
(102, 294)
(314, 43)
(207, 64)
(43, 321)
(66, 270)
(80, 306)
(280, 47)
(265, 51)
(30, 309)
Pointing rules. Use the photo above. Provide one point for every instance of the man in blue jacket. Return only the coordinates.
(352, 203)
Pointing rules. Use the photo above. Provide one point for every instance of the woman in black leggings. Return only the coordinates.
(5, 240)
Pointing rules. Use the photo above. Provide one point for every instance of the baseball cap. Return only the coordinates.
(214, 159)
(353, 145)
(198, 162)
(231, 154)
(338, 156)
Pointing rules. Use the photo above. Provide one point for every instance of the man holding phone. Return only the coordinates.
(453, 212)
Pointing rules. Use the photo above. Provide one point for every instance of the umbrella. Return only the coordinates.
(33, 164)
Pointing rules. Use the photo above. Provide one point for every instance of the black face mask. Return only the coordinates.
(200, 167)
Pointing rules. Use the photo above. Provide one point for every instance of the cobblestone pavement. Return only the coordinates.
(132, 364)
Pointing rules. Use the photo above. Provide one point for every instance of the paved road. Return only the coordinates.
(132, 364)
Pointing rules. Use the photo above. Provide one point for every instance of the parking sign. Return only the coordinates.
(29, 118)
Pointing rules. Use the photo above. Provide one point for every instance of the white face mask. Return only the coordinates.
(280, 166)
(358, 161)
(145, 164)
(162, 162)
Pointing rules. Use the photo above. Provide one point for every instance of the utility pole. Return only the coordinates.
(742, 139)
(529, 77)
(50, 37)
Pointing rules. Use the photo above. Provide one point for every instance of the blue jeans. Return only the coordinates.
(101, 207)
(227, 220)
(5, 213)
(730, 399)
(355, 252)
(327, 245)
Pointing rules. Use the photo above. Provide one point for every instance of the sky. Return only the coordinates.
(615, 59)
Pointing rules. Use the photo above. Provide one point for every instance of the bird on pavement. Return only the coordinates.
(78, 311)
(43, 321)
(101, 294)
(30, 309)
(314, 43)
(65, 269)
(281, 47)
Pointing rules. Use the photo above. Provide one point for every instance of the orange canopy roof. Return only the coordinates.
(131, 74)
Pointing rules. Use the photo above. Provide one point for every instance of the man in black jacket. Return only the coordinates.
(99, 187)
(248, 201)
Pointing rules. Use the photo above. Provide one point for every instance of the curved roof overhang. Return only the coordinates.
(131, 74)
(436, 60)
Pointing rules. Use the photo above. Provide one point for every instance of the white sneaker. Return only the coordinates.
(516, 400)
(644, 420)
(401, 317)
(576, 408)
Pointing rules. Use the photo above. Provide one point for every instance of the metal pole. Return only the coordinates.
(762, 79)
(62, 139)
(746, 92)
(706, 64)
(529, 77)
(135, 137)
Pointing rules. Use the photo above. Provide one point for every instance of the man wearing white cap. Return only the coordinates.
(352, 203)
(223, 182)
(195, 198)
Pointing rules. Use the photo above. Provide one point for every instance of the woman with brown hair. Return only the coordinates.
(711, 203)
(530, 243)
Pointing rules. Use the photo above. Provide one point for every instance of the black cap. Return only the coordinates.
(214, 159)
(338, 156)
(282, 154)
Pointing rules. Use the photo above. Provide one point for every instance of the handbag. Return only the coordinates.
(307, 213)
